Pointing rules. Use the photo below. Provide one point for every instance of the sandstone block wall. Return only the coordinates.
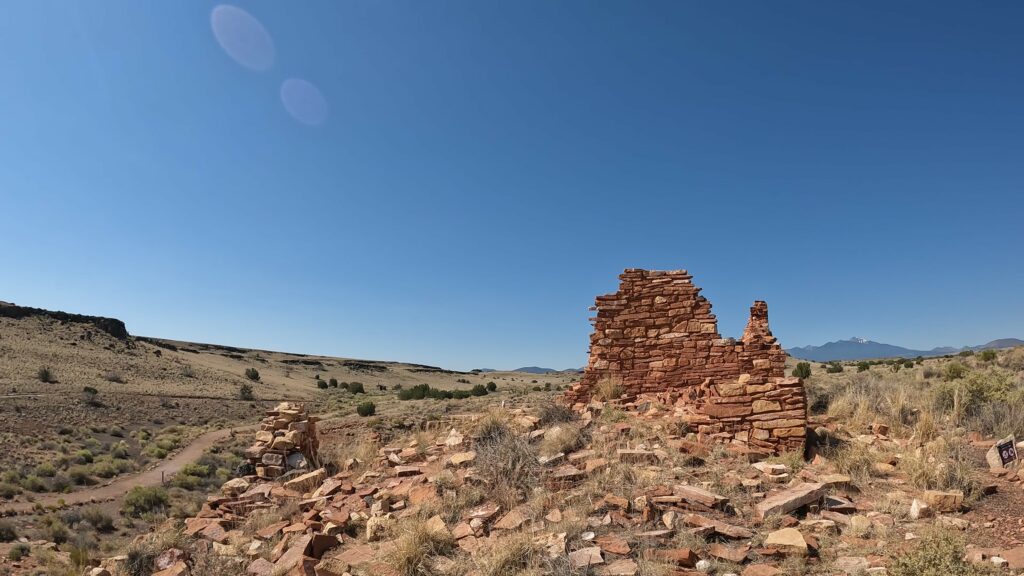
(657, 335)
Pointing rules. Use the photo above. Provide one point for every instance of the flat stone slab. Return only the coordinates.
(788, 500)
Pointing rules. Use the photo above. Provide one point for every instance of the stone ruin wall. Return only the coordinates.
(657, 335)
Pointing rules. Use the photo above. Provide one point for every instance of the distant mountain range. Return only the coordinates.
(532, 370)
(862, 349)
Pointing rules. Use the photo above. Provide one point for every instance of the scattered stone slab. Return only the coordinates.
(585, 557)
(787, 540)
(789, 500)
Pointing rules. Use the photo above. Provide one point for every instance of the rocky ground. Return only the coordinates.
(616, 490)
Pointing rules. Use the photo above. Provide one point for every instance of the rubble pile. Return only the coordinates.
(691, 508)
(287, 440)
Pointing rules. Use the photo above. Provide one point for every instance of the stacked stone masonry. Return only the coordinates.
(287, 440)
(657, 336)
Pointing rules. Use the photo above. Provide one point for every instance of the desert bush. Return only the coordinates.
(333, 382)
(834, 368)
(17, 552)
(9, 490)
(987, 355)
(141, 500)
(7, 531)
(965, 397)
(44, 374)
(966, 353)
(113, 376)
(607, 389)
(863, 366)
(245, 392)
(938, 553)
(188, 371)
(504, 460)
(356, 388)
(98, 519)
(562, 438)
(492, 387)
(553, 413)
(46, 469)
(196, 469)
(478, 390)
(34, 483)
(802, 370)
(54, 529)
(366, 409)
(1012, 359)
(954, 371)
(252, 374)
(83, 457)
(80, 475)
(942, 464)
(321, 384)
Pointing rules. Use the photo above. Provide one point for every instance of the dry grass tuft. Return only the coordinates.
(608, 389)
(416, 549)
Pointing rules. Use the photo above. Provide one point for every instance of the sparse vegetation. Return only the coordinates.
(939, 553)
(142, 499)
(356, 388)
(45, 375)
(245, 392)
(252, 374)
(802, 370)
(366, 409)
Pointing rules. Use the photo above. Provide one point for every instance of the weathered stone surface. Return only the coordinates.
(788, 500)
(586, 557)
(788, 540)
(944, 501)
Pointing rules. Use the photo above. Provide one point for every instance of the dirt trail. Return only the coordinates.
(121, 485)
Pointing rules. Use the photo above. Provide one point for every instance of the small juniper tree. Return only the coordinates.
(802, 370)
(252, 374)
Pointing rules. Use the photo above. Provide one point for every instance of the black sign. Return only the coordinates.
(1007, 451)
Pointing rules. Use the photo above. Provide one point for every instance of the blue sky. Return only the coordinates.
(478, 171)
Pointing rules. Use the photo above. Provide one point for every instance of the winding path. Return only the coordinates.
(122, 484)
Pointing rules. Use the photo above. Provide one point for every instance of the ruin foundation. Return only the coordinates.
(657, 337)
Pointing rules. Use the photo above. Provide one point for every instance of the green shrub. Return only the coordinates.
(461, 394)
(17, 552)
(966, 353)
(478, 390)
(55, 530)
(60, 483)
(155, 451)
(987, 355)
(333, 382)
(7, 532)
(34, 483)
(356, 388)
(83, 457)
(245, 392)
(119, 451)
(834, 368)
(142, 499)
(321, 384)
(366, 409)
(98, 519)
(863, 366)
(954, 371)
(491, 386)
(196, 469)
(80, 475)
(186, 481)
(45, 374)
(46, 469)
(252, 374)
(802, 370)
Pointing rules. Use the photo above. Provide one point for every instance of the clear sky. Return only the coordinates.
(452, 182)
